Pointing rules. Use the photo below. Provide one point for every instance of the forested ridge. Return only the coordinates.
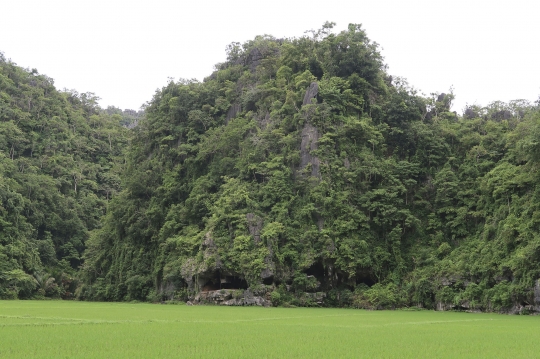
(60, 161)
(299, 173)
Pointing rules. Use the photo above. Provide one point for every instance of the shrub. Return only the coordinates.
(275, 297)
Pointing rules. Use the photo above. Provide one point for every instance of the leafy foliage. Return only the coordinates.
(60, 162)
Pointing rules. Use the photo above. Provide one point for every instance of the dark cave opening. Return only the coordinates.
(365, 280)
(209, 286)
(221, 281)
(316, 270)
(232, 282)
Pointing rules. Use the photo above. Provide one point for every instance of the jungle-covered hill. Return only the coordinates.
(60, 162)
(299, 171)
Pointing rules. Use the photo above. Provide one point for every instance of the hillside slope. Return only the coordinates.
(60, 159)
(300, 167)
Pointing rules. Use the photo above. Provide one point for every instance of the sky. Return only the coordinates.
(124, 50)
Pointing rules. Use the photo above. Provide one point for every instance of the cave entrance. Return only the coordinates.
(210, 286)
(367, 280)
(219, 281)
(232, 282)
(316, 270)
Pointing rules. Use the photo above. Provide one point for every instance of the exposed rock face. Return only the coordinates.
(233, 111)
(441, 97)
(251, 299)
(255, 224)
(470, 113)
(501, 115)
(213, 296)
(254, 59)
(231, 297)
(270, 267)
(310, 136)
(312, 92)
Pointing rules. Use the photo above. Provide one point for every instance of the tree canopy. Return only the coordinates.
(60, 162)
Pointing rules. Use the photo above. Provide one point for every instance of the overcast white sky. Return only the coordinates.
(124, 50)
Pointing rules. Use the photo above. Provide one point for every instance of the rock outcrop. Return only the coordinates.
(231, 297)
(470, 113)
(234, 110)
(310, 135)
(255, 224)
(501, 115)
(254, 59)
(311, 92)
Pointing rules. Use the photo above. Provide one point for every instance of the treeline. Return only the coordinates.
(61, 158)
(299, 167)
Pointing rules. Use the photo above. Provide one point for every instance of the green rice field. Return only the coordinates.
(65, 329)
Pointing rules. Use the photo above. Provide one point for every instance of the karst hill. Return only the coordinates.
(298, 173)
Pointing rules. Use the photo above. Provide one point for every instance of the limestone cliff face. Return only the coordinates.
(311, 92)
(310, 135)
(234, 110)
(255, 224)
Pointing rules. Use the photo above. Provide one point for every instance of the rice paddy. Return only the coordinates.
(63, 329)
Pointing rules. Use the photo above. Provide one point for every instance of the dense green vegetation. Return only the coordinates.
(60, 162)
(298, 170)
(50, 329)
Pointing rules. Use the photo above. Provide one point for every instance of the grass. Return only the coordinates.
(63, 329)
